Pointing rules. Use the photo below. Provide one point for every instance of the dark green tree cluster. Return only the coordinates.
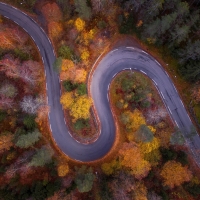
(173, 24)
(38, 190)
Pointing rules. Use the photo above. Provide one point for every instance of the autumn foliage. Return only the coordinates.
(111, 167)
(67, 100)
(72, 73)
(81, 107)
(55, 29)
(78, 107)
(132, 159)
(174, 174)
(12, 38)
(79, 24)
(51, 12)
(63, 170)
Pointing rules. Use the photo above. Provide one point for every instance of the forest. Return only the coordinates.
(33, 167)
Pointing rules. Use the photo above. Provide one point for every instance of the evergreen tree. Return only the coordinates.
(180, 33)
(28, 140)
(177, 138)
(57, 64)
(42, 157)
(191, 51)
(84, 179)
(83, 10)
(167, 21)
(82, 89)
(29, 121)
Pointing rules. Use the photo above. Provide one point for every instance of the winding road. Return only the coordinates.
(123, 58)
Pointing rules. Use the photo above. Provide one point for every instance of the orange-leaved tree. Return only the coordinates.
(133, 120)
(174, 174)
(80, 76)
(132, 159)
(63, 170)
(6, 141)
(55, 29)
(51, 12)
(66, 64)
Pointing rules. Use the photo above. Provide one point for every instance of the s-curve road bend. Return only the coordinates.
(124, 58)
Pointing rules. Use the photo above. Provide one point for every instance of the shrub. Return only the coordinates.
(168, 154)
(69, 86)
(57, 64)
(29, 121)
(65, 52)
(3, 115)
(82, 89)
(81, 123)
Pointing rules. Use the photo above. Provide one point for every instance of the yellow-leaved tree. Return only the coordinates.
(80, 107)
(133, 120)
(79, 24)
(66, 64)
(85, 55)
(132, 159)
(63, 170)
(151, 151)
(111, 167)
(147, 147)
(174, 174)
(87, 36)
(67, 100)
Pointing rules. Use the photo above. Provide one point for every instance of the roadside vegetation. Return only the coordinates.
(150, 160)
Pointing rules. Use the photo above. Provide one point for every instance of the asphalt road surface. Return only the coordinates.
(123, 58)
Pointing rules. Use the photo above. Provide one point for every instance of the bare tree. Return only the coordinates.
(10, 66)
(30, 71)
(18, 36)
(30, 105)
(6, 102)
(20, 164)
(97, 5)
(153, 196)
(155, 116)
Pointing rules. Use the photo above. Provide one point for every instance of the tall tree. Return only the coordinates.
(143, 134)
(136, 164)
(84, 179)
(28, 140)
(190, 52)
(167, 21)
(30, 104)
(8, 90)
(83, 9)
(177, 138)
(41, 157)
(180, 33)
(174, 174)
(6, 141)
(135, 4)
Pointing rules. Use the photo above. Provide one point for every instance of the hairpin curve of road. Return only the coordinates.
(123, 58)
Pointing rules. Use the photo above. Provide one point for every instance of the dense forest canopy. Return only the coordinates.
(172, 24)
